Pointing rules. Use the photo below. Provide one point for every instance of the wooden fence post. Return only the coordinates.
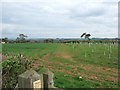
(30, 80)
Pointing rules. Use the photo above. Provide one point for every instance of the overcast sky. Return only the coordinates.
(59, 18)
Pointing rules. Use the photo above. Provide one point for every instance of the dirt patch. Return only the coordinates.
(46, 57)
(99, 69)
(63, 55)
(98, 73)
(58, 54)
(45, 60)
(92, 72)
(89, 75)
(36, 64)
(99, 77)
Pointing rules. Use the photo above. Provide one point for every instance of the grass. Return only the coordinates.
(97, 64)
(30, 50)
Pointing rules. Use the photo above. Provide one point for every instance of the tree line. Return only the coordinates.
(23, 39)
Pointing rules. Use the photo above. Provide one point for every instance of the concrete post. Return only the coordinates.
(30, 79)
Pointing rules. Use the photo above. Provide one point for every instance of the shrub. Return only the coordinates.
(11, 68)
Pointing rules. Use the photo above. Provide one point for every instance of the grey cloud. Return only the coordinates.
(63, 18)
(92, 13)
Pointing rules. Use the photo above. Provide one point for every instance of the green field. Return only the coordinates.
(0, 48)
(97, 64)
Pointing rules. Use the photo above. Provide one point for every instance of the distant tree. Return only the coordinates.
(48, 41)
(5, 39)
(17, 39)
(21, 38)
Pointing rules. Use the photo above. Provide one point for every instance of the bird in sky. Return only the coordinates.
(86, 36)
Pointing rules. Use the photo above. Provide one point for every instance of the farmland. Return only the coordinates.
(83, 65)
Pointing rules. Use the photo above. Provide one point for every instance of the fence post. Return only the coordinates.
(48, 80)
(30, 79)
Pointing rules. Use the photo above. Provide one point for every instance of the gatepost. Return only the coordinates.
(30, 80)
